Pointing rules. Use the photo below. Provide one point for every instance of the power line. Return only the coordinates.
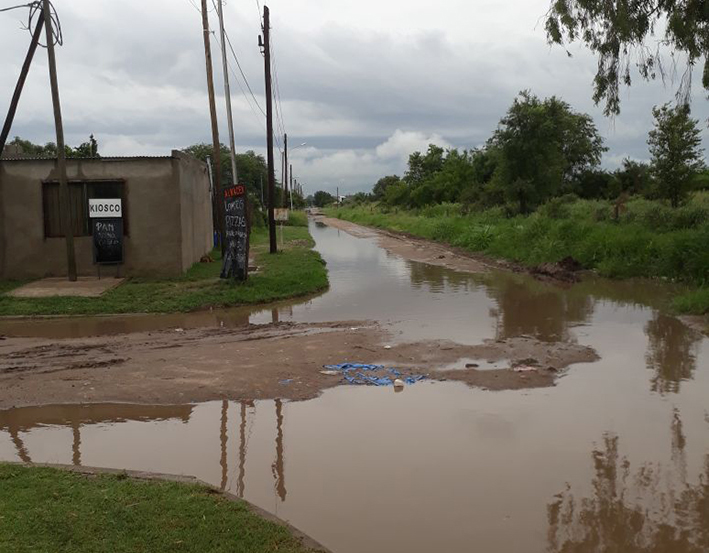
(34, 9)
(277, 93)
(19, 6)
(238, 82)
(258, 7)
(233, 53)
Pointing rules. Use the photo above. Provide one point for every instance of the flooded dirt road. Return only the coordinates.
(614, 457)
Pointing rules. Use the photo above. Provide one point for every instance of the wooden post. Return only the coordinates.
(61, 152)
(215, 127)
(21, 82)
(284, 203)
(227, 95)
(269, 129)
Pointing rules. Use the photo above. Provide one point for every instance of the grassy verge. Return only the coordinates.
(649, 239)
(54, 511)
(295, 271)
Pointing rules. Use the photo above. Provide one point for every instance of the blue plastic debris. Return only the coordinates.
(285, 382)
(355, 374)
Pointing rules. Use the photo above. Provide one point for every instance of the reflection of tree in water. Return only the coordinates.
(536, 309)
(645, 512)
(439, 278)
(672, 352)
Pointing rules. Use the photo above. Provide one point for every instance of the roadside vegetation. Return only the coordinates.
(296, 270)
(536, 193)
(50, 510)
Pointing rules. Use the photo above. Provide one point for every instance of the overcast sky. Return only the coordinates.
(363, 83)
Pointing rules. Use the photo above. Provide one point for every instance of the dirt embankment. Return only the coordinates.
(426, 251)
(253, 362)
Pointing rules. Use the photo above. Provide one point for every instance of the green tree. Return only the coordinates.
(675, 147)
(424, 166)
(618, 30)
(544, 146)
(322, 198)
(382, 184)
(633, 177)
(251, 168)
(84, 150)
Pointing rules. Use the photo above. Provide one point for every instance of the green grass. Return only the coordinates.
(650, 239)
(297, 270)
(46, 510)
(297, 218)
(694, 302)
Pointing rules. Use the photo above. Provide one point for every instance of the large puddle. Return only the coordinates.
(614, 458)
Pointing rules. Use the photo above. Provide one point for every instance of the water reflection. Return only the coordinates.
(23, 420)
(672, 352)
(438, 279)
(653, 509)
(536, 309)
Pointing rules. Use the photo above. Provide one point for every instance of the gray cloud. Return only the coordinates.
(363, 83)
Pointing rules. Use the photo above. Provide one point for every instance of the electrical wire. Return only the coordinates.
(236, 58)
(277, 91)
(243, 92)
(35, 8)
(278, 109)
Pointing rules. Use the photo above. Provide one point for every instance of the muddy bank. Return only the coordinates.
(418, 249)
(415, 249)
(252, 362)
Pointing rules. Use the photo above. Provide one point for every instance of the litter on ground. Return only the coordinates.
(356, 374)
(525, 369)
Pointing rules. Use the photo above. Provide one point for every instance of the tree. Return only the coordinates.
(424, 166)
(380, 188)
(633, 177)
(675, 147)
(544, 146)
(251, 168)
(617, 31)
(84, 150)
(322, 198)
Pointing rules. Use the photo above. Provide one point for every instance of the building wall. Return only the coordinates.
(196, 208)
(157, 218)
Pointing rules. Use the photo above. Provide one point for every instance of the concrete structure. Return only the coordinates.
(167, 214)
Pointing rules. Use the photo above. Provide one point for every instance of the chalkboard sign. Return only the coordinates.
(108, 241)
(235, 263)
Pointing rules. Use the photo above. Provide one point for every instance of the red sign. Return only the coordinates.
(234, 191)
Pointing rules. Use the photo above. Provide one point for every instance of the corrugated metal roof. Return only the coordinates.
(102, 158)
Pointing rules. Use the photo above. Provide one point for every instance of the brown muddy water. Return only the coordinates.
(613, 458)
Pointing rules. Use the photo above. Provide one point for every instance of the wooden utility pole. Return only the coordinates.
(266, 44)
(218, 203)
(61, 152)
(291, 186)
(21, 81)
(227, 95)
(285, 166)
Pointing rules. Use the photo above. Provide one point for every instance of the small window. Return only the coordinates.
(79, 195)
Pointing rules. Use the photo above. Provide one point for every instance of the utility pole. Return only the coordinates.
(227, 94)
(21, 81)
(291, 186)
(219, 204)
(61, 152)
(285, 165)
(266, 44)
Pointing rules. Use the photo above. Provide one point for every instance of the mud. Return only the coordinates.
(567, 270)
(417, 249)
(253, 362)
